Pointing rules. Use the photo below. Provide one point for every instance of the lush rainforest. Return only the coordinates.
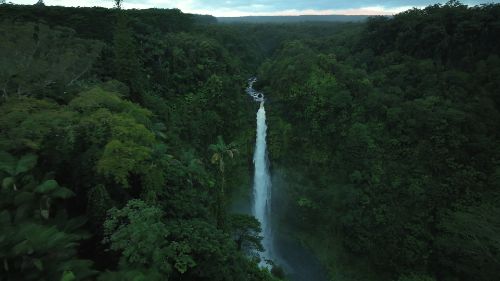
(126, 135)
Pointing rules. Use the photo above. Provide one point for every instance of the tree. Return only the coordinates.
(117, 131)
(454, 3)
(126, 61)
(139, 233)
(38, 239)
(189, 249)
(194, 167)
(98, 202)
(245, 231)
(476, 229)
(220, 150)
(118, 4)
(36, 58)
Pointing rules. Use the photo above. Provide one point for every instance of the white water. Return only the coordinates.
(262, 180)
(299, 263)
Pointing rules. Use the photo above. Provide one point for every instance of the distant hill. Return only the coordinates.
(292, 19)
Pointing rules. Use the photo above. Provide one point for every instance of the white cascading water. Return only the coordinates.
(262, 179)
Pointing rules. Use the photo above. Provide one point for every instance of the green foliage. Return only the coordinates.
(245, 231)
(397, 140)
(126, 64)
(130, 275)
(415, 277)
(14, 169)
(188, 248)
(219, 150)
(29, 124)
(98, 203)
(98, 97)
(476, 230)
(139, 233)
(120, 158)
(68, 276)
(119, 126)
(36, 58)
(88, 131)
(392, 123)
(37, 241)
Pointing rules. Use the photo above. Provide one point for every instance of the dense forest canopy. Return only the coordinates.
(395, 129)
(291, 19)
(125, 136)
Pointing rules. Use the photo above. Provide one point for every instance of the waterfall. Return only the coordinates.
(262, 184)
(262, 179)
(298, 262)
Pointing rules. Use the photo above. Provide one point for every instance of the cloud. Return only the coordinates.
(263, 7)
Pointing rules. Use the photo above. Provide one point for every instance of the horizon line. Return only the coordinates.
(302, 15)
(229, 13)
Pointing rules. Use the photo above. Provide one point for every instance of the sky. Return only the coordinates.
(234, 8)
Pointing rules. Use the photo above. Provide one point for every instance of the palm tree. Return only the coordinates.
(220, 149)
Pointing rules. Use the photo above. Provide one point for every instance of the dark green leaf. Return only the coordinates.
(46, 187)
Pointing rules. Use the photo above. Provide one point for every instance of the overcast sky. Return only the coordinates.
(264, 7)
